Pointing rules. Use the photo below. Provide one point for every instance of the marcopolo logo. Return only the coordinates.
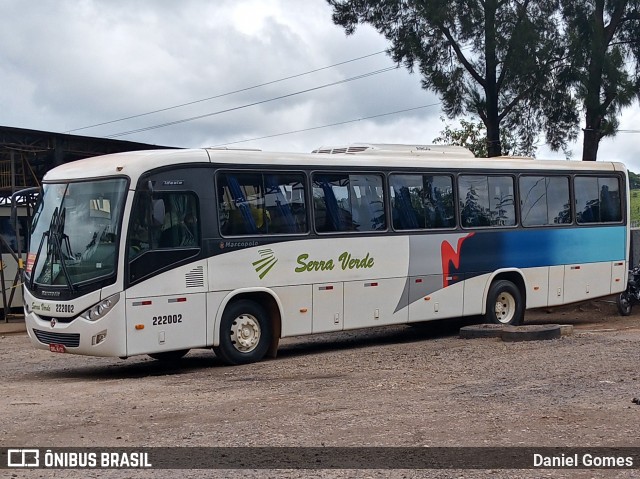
(265, 263)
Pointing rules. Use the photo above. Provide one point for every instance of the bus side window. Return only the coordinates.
(422, 201)
(343, 202)
(330, 203)
(610, 201)
(367, 203)
(163, 231)
(179, 228)
(261, 203)
(169, 221)
(284, 200)
(598, 199)
(544, 200)
(243, 204)
(486, 200)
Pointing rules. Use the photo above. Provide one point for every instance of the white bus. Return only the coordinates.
(158, 252)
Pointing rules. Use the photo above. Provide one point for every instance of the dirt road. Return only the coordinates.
(396, 386)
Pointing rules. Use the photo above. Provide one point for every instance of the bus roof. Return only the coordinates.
(130, 163)
(434, 151)
(136, 163)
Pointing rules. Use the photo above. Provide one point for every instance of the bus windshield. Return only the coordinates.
(76, 232)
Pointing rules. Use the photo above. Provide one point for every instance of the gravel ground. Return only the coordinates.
(394, 386)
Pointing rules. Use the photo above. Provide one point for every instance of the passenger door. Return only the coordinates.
(166, 299)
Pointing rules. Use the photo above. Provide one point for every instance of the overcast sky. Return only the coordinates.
(69, 64)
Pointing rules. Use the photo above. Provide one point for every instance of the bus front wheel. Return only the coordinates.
(244, 333)
(504, 304)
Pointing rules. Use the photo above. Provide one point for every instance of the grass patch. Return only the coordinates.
(635, 205)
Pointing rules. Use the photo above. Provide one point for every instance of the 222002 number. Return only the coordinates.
(168, 319)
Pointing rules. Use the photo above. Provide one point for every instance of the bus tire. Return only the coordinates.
(245, 334)
(504, 304)
(168, 356)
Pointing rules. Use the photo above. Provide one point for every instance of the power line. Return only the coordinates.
(326, 126)
(226, 94)
(227, 110)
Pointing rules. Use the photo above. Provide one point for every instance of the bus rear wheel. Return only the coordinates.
(245, 334)
(504, 304)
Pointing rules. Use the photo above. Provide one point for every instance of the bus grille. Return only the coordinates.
(69, 340)
(59, 320)
(195, 278)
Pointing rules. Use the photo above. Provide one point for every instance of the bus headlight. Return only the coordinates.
(99, 310)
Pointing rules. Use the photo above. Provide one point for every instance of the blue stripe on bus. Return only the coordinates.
(566, 246)
(487, 251)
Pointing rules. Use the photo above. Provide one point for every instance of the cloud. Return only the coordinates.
(71, 64)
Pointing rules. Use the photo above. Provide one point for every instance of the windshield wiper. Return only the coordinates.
(56, 240)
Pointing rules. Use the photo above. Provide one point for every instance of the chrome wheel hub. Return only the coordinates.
(505, 308)
(245, 333)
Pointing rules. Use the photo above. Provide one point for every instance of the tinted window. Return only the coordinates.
(343, 202)
(163, 230)
(598, 199)
(166, 220)
(422, 201)
(544, 200)
(486, 200)
(260, 203)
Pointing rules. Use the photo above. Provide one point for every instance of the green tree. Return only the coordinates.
(473, 214)
(634, 181)
(603, 38)
(493, 59)
(473, 135)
